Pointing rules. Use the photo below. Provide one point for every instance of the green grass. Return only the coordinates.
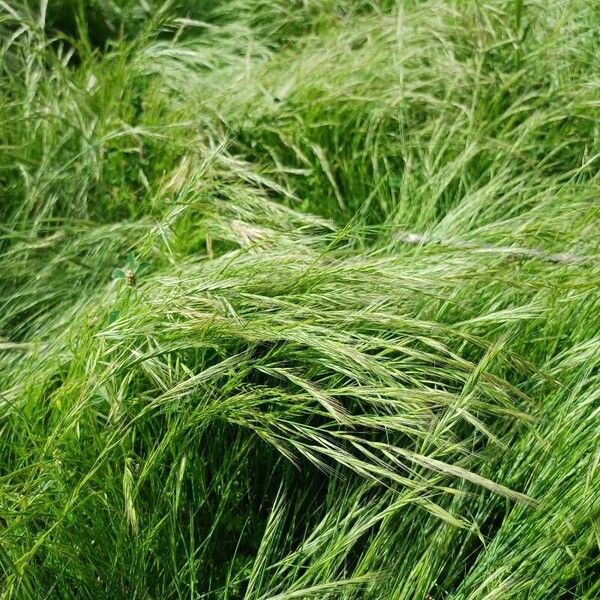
(363, 360)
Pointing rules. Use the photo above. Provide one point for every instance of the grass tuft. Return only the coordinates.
(299, 300)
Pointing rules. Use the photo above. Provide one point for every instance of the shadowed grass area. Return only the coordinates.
(299, 300)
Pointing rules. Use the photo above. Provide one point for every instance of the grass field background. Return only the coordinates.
(300, 299)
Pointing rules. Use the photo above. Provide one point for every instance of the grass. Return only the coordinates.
(359, 356)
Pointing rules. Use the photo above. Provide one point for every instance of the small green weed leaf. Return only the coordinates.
(142, 267)
(118, 274)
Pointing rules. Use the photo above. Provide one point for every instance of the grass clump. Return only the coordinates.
(299, 300)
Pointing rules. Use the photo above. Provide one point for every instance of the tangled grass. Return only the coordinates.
(363, 359)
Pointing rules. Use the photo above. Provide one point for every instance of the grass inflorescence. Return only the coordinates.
(299, 299)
